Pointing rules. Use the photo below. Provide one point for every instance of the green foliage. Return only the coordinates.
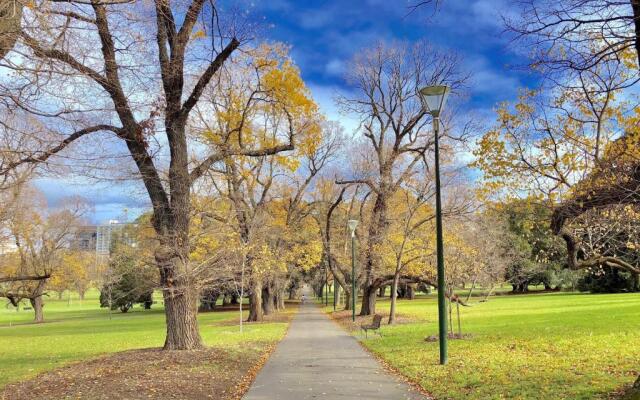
(608, 280)
(539, 255)
(128, 282)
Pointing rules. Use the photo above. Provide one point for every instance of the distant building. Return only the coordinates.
(105, 236)
(84, 238)
(8, 245)
(98, 238)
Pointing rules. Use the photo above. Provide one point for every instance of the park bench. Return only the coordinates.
(374, 326)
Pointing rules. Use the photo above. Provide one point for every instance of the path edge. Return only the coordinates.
(385, 364)
(247, 380)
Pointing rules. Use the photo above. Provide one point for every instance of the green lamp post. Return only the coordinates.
(433, 99)
(353, 223)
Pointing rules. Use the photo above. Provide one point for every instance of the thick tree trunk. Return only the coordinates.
(394, 296)
(180, 314)
(255, 301)
(234, 299)
(347, 300)
(381, 291)
(376, 236)
(37, 301)
(368, 301)
(226, 300)
(180, 300)
(36, 304)
(268, 300)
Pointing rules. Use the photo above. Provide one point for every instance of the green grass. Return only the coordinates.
(82, 330)
(540, 346)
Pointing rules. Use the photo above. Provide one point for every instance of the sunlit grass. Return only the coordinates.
(82, 330)
(540, 346)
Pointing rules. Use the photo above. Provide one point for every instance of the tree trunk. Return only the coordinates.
(37, 303)
(473, 285)
(394, 295)
(376, 236)
(226, 300)
(180, 300)
(234, 299)
(280, 300)
(208, 300)
(368, 301)
(381, 291)
(255, 301)
(182, 325)
(81, 293)
(411, 292)
(267, 299)
(347, 300)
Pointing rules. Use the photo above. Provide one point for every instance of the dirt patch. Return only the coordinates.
(344, 319)
(148, 374)
(280, 316)
(210, 373)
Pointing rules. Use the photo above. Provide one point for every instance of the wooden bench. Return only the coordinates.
(374, 326)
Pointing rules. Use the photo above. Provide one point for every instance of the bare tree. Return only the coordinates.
(40, 234)
(396, 127)
(563, 33)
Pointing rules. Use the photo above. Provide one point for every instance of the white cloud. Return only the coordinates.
(335, 67)
(326, 96)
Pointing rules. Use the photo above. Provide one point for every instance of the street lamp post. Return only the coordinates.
(353, 223)
(326, 284)
(434, 98)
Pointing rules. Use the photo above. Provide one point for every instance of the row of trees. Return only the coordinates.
(229, 145)
(251, 187)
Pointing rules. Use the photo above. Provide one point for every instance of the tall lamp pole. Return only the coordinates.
(434, 98)
(326, 284)
(353, 223)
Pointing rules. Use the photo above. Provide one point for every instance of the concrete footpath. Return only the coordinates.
(319, 360)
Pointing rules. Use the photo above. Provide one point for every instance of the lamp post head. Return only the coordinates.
(434, 98)
(353, 223)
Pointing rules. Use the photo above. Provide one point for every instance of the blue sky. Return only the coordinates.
(324, 36)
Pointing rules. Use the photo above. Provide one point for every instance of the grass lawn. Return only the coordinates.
(539, 346)
(81, 330)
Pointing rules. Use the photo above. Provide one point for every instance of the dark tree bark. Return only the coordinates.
(208, 299)
(255, 301)
(377, 234)
(268, 299)
(394, 296)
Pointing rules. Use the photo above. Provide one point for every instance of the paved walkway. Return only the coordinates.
(318, 360)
